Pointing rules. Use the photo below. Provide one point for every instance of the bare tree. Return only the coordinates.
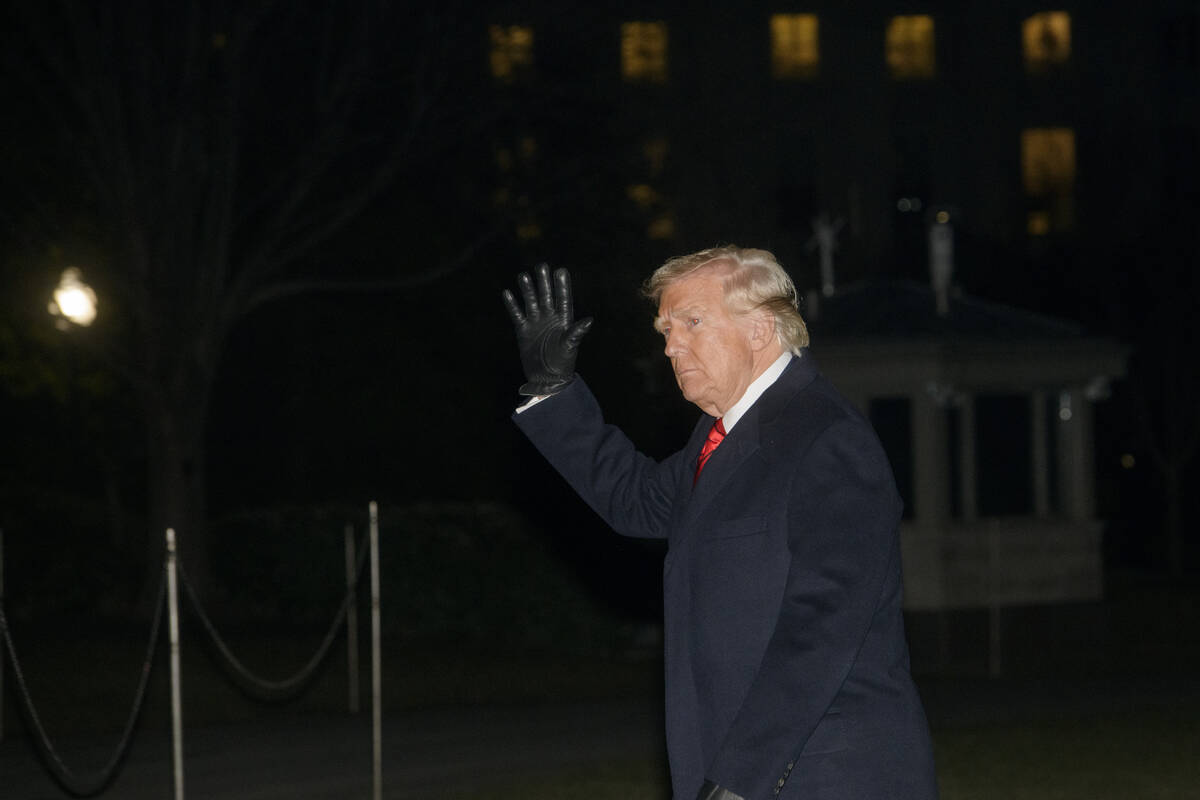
(223, 147)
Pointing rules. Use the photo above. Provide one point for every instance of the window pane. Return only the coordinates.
(909, 47)
(794, 45)
(654, 151)
(1048, 176)
(512, 51)
(645, 192)
(1047, 40)
(516, 163)
(662, 227)
(1037, 222)
(644, 52)
(642, 195)
(1048, 160)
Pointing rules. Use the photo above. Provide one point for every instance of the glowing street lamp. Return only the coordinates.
(74, 301)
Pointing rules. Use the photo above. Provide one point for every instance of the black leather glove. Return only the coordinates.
(546, 333)
(710, 791)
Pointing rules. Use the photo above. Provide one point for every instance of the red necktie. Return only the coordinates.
(710, 444)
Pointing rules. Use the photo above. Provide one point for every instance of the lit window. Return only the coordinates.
(644, 52)
(794, 45)
(1047, 160)
(1048, 177)
(642, 195)
(650, 203)
(512, 51)
(909, 47)
(516, 163)
(1037, 223)
(520, 154)
(1047, 39)
(528, 231)
(644, 191)
(655, 152)
(661, 228)
(527, 148)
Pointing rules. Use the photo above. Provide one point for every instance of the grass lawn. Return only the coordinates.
(639, 780)
(83, 683)
(1137, 756)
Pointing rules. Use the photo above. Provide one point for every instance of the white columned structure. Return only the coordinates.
(930, 454)
(960, 550)
(1076, 452)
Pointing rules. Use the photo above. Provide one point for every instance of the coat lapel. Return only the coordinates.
(722, 465)
(743, 442)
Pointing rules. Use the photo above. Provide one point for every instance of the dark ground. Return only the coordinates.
(426, 754)
(432, 753)
(1136, 651)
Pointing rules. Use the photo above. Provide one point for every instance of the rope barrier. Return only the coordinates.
(94, 784)
(265, 689)
(90, 785)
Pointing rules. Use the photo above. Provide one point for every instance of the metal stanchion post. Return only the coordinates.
(352, 619)
(376, 681)
(176, 703)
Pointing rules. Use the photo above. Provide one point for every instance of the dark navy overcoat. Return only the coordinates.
(787, 669)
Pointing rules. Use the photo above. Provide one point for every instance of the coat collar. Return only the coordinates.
(745, 438)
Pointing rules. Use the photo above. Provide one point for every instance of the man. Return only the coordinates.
(787, 670)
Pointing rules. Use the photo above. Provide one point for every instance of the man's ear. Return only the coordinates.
(762, 330)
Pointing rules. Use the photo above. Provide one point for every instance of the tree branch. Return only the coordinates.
(394, 283)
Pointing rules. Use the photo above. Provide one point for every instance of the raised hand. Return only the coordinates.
(547, 334)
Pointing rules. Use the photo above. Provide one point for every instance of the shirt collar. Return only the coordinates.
(755, 390)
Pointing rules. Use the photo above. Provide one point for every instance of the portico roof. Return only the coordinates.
(908, 310)
(875, 337)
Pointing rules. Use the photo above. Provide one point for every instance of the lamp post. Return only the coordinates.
(74, 301)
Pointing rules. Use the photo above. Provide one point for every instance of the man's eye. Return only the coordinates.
(693, 322)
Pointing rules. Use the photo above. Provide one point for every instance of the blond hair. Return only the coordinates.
(755, 281)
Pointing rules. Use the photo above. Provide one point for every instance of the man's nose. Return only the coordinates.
(674, 343)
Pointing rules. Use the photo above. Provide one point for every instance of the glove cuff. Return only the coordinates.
(545, 387)
(711, 791)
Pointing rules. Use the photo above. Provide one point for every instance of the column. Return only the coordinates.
(1076, 455)
(931, 488)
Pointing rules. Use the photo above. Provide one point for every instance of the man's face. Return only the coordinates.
(710, 350)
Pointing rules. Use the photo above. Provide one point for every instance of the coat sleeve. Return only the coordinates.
(842, 515)
(629, 490)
